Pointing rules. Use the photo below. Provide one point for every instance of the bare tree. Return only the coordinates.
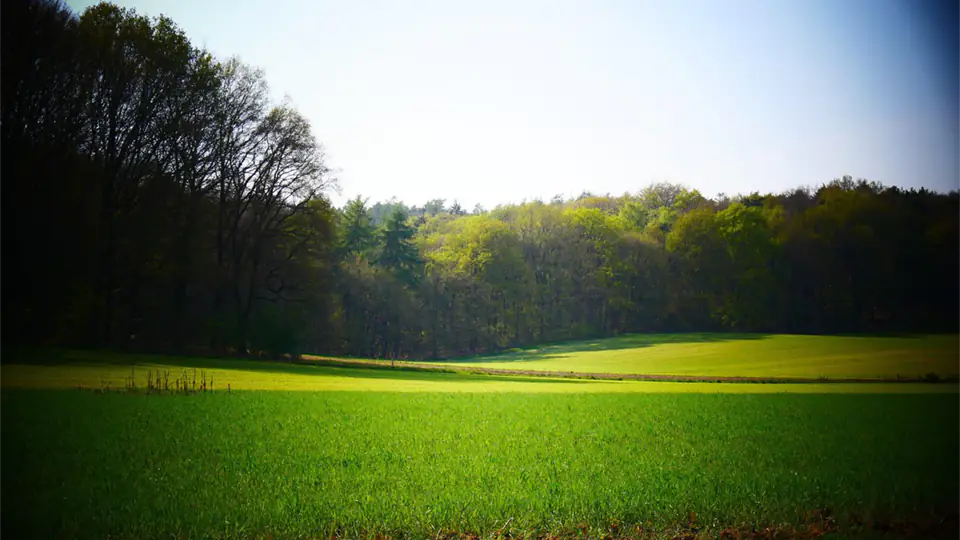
(136, 69)
(269, 169)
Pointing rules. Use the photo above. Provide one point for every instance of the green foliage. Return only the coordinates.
(171, 205)
(356, 228)
(396, 251)
(634, 215)
(292, 464)
(660, 195)
(586, 268)
(687, 200)
(751, 252)
(434, 206)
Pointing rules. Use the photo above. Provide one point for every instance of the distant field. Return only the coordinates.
(746, 355)
(93, 370)
(317, 464)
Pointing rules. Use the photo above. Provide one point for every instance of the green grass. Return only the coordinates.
(72, 369)
(351, 451)
(83, 465)
(747, 355)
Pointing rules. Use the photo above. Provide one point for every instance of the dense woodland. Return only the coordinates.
(155, 198)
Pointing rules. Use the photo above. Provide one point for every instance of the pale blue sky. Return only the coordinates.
(495, 101)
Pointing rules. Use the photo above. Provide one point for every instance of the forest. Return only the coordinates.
(155, 198)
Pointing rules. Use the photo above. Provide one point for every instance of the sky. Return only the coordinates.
(498, 101)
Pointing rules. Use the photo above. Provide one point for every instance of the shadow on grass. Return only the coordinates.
(629, 341)
(142, 362)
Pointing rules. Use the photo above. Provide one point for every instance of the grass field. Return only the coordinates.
(741, 355)
(309, 450)
(93, 370)
(294, 464)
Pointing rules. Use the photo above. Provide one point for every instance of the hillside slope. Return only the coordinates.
(740, 355)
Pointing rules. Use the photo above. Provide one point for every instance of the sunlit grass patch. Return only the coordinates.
(94, 370)
(747, 355)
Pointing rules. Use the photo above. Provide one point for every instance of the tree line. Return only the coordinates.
(155, 198)
(154, 195)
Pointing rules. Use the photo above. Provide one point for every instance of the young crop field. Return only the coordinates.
(741, 355)
(312, 450)
(299, 464)
(97, 370)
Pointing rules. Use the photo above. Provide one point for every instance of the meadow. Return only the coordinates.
(314, 464)
(741, 355)
(52, 369)
(298, 450)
